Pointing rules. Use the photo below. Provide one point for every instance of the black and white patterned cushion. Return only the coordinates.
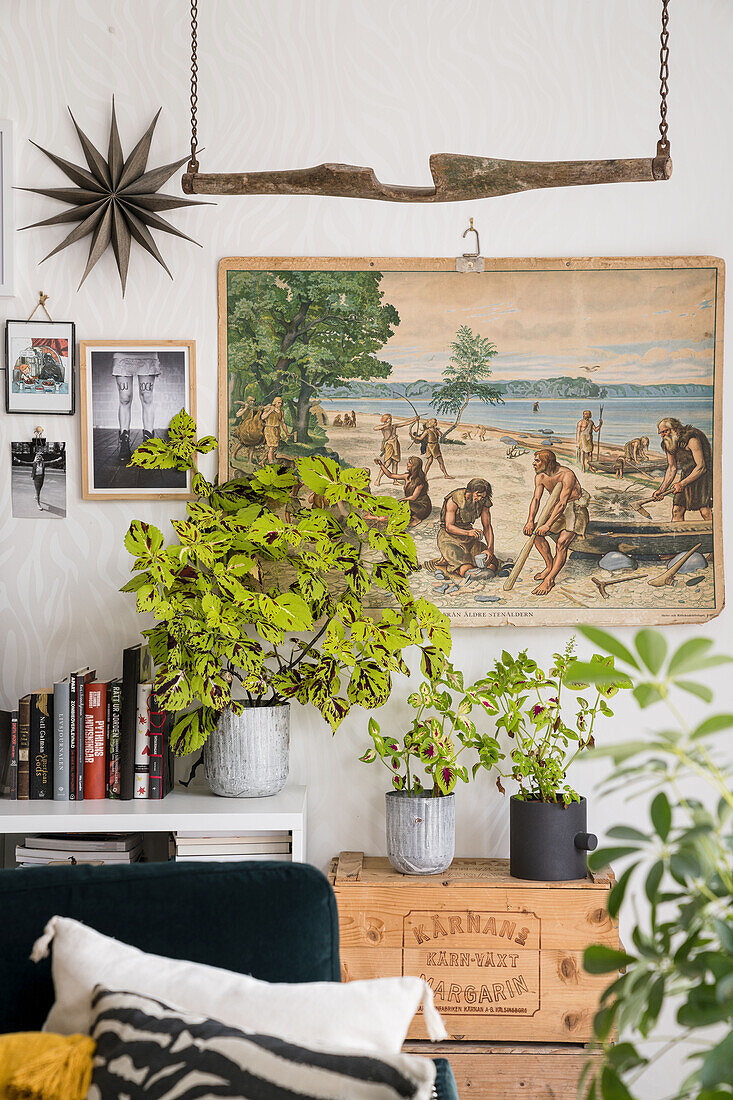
(147, 1049)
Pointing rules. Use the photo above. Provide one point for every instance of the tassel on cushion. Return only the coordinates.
(433, 1020)
(46, 1067)
(42, 944)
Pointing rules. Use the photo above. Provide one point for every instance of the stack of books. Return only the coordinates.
(88, 738)
(117, 848)
(231, 847)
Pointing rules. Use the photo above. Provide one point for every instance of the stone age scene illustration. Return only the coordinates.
(551, 430)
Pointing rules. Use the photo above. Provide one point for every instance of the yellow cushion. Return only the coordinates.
(37, 1065)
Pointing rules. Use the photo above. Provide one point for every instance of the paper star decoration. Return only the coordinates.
(116, 200)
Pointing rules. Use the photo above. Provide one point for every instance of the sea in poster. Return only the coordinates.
(478, 373)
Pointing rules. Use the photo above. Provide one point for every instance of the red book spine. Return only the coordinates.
(95, 728)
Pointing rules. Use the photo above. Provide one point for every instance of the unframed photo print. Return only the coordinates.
(38, 479)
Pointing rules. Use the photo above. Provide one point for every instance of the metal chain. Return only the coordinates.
(193, 164)
(663, 146)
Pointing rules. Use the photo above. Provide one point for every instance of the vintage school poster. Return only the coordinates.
(555, 425)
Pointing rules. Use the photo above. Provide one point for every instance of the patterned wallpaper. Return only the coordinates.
(291, 83)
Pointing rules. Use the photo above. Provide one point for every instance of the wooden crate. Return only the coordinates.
(507, 1071)
(503, 956)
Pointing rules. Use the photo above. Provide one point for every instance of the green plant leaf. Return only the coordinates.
(618, 890)
(717, 1064)
(647, 694)
(652, 648)
(626, 832)
(599, 959)
(714, 724)
(143, 539)
(653, 879)
(687, 656)
(612, 645)
(661, 815)
(603, 856)
(702, 691)
(612, 1087)
(604, 1020)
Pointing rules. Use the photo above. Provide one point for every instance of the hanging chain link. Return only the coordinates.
(663, 146)
(193, 164)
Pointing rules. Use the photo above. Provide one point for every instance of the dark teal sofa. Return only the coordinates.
(276, 921)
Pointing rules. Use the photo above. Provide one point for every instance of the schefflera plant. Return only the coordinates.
(260, 561)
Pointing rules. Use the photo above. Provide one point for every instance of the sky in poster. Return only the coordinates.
(638, 326)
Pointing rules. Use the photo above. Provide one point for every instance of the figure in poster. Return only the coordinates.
(415, 486)
(584, 439)
(637, 450)
(249, 430)
(273, 419)
(568, 518)
(459, 543)
(430, 437)
(689, 469)
(38, 473)
(126, 367)
(391, 452)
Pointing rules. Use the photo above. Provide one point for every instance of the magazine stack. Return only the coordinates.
(231, 847)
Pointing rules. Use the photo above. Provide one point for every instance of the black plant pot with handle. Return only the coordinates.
(549, 841)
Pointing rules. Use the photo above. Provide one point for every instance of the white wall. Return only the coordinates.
(372, 82)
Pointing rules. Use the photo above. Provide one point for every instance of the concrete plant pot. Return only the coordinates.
(421, 832)
(248, 754)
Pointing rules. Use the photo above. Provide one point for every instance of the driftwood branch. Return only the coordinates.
(455, 178)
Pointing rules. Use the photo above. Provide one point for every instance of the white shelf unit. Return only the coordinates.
(180, 810)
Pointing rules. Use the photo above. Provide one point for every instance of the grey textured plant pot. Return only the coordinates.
(248, 754)
(421, 832)
(548, 841)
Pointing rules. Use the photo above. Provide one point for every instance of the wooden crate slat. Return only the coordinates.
(508, 1071)
(503, 956)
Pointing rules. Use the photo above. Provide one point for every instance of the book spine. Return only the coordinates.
(114, 703)
(95, 719)
(61, 694)
(24, 737)
(80, 736)
(41, 746)
(13, 776)
(142, 742)
(157, 744)
(128, 721)
(73, 690)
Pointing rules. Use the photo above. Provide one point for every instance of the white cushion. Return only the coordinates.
(361, 1015)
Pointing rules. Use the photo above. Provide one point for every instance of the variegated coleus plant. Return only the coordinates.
(440, 732)
(267, 585)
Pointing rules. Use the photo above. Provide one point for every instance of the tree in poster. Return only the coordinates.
(465, 376)
(293, 333)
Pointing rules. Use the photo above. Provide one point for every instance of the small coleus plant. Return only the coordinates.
(533, 710)
(440, 733)
(268, 585)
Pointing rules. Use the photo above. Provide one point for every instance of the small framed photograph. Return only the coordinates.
(40, 367)
(130, 392)
(6, 209)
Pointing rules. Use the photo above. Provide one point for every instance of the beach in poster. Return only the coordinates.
(475, 395)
